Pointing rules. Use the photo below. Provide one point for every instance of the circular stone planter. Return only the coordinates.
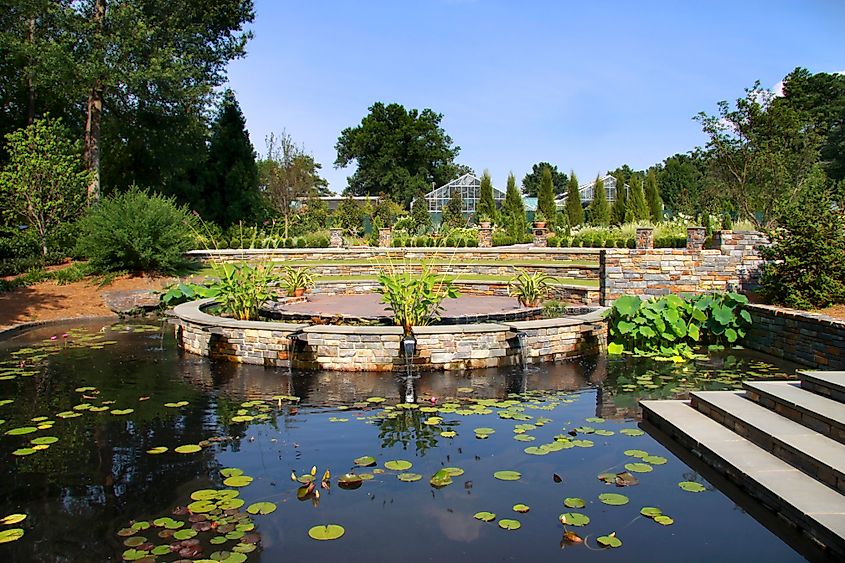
(378, 348)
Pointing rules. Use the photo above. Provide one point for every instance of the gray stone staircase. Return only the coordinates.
(782, 443)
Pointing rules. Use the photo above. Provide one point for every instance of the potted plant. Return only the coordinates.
(539, 220)
(529, 288)
(296, 280)
(484, 221)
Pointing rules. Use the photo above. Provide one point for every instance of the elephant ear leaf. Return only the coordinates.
(627, 305)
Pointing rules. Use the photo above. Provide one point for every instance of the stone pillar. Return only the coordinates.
(723, 241)
(645, 238)
(385, 237)
(540, 236)
(485, 237)
(336, 239)
(695, 238)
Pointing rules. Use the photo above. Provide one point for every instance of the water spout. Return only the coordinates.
(292, 340)
(521, 339)
(409, 350)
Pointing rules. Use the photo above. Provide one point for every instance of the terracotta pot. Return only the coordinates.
(484, 224)
(531, 303)
(539, 224)
(299, 292)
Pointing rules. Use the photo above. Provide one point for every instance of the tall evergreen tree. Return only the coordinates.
(617, 211)
(574, 210)
(453, 211)
(635, 207)
(513, 212)
(599, 209)
(231, 192)
(486, 206)
(546, 196)
(420, 215)
(652, 196)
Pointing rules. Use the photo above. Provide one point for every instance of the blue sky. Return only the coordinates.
(584, 85)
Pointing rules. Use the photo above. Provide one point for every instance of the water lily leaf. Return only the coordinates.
(432, 420)
(176, 405)
(68, 414)
(326, 532)
(243, 418)
(609, 540)
(24, 451)
(632, 432)
(574, 519)
(484, 516)
(134, 541)
(230, 503)
(524, 438)
(365, 461)
(85, 389)
(650, 511)
(375, 400)
(409, 477)
(692, 487)
(12, 519)
(655, 459)
(216, 540)
(522, 508)
(121, 412)
(603, 432)
(614, 348)
(39, 447)
(160, 550)
(453, 471)
(509, 524)
(21, 431)
(664, 520)
(574, 502)
(441, 479)
(484, 431)
(187, 449)
(133, 554)
(507, 475)
(238, 481)
(639, 467)
(537, 450)
(157, 450)
(204, 494)
(448, 433)
(398, 464)
(636, 453)
(613, 499)
(185, 534)
(199, 507)
(261, 508)
(231, 472)
(595, 419)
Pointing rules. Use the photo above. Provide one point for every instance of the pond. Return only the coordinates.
(90, 407)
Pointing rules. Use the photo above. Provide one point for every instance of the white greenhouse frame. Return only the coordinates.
(587, 190)
(469, 187)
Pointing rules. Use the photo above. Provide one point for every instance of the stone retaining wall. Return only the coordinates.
(807, 338)
(378, 348)
(457, 268)
(734, 265)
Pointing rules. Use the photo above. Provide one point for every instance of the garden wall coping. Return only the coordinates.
(384, 250)
(192, 312)
(347, 329)
(593, 316)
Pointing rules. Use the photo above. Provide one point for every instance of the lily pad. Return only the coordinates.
(609, 540)
(484, 516)
(231, 472)
(261, 508)
(509, 524)
(574, 519)
(121, 412)
(12, 519)
(521, 508)
(21, 431)
(639, 467)
(537, 450)
(44, 440)
(650, 511)
(574, 502)
(448, 433)
(157, 450)
(655, 459)
(692, 487)
(664, 520)
(24, 451)
(326, 532)
(238, 481)
(484, 431)
(398, 464)
(185, 534)
(187, 449)
(365, 461)
(409, 477)
(635, 453)
(632, 432)
(201, 506)
(613, 499)
(453, 471)
(375, 400)
(507, 475)
(441, 479)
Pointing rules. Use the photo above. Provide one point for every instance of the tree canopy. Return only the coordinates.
(396, 151)
(531, 181)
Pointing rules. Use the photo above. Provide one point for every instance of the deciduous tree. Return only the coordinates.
(531, 181)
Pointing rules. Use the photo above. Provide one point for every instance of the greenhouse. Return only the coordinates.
(469, 186)
(586, 191)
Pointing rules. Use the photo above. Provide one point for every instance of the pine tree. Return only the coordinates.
(617, 212)
(486, 207)
(546, 196)
(231, 188)
(599, 209)
(513, 212)
(420, 215)
(453, 214)
(635, 206)
(652, 196)
(573, 202)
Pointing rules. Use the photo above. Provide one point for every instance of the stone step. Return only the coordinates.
(788, 399)
(816, 455)
(798, 498)
(830, 384)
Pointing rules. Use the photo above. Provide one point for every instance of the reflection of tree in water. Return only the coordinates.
(406, 426)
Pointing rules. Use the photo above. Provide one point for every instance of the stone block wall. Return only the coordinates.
(734, 265)
(558, 339)
(347, 348)
(811, 339)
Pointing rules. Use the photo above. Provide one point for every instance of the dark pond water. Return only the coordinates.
(82, 493)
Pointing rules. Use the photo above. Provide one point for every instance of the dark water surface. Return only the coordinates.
(98, 477)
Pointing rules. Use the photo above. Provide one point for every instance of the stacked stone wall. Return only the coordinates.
(807, 338)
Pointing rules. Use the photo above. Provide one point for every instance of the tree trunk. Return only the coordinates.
(95, 112)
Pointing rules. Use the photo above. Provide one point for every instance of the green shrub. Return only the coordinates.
(553, 241)
(137, 231)
(806, 267)
(501, 238)
(317, 240)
